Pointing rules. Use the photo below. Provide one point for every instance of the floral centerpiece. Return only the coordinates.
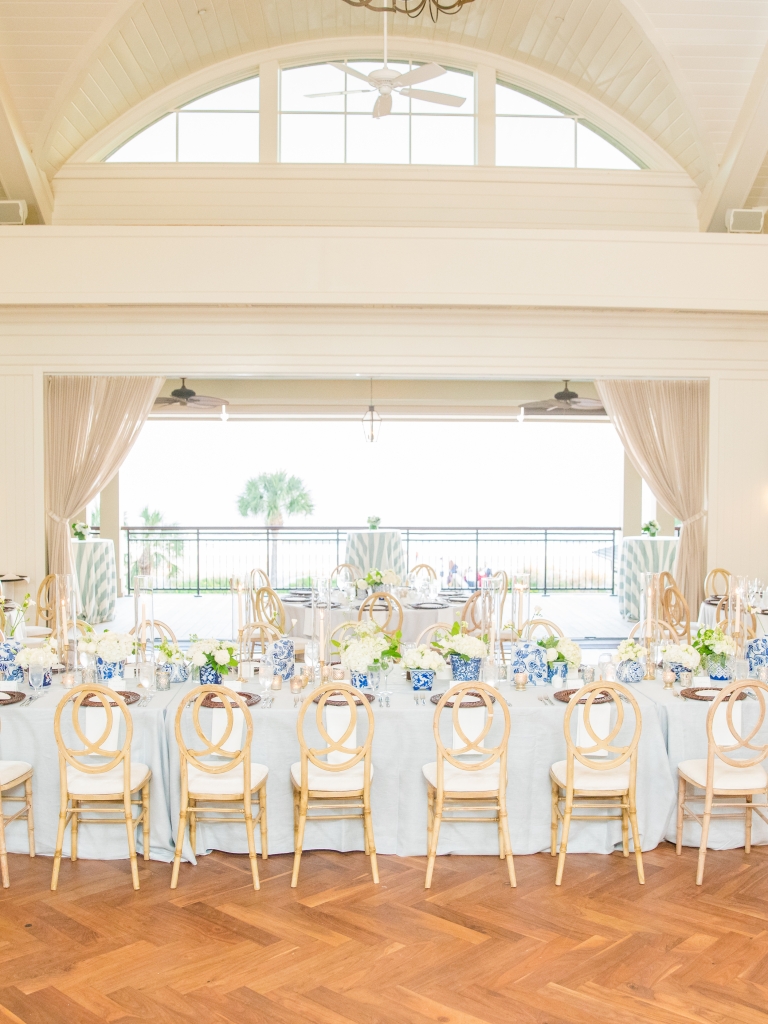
(365, 649)
(680, 657)
(715, 648)
(79, 531)
(172, 661)
(561, 654)
(44, 657)
(375, 580)
(111, 650)
(15, 616)
(465, 652)
(212, 657)
(651, 528)
(423, 662)
(628, 660)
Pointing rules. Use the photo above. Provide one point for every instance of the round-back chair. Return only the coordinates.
(45, 611)
(717, 583)
(352, 572)
(664, 629)
(422, 569)
(259, 579)
(386, 603)
(427, 635)
(529, 628)
(676, 612)
(255, 636)
(470, 613)
(163, 633)
(267, 607)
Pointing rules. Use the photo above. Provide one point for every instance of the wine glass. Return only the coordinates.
(266, 673)
(386, 667)
(36, 679)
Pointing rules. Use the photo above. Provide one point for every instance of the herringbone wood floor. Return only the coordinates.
(338, 949)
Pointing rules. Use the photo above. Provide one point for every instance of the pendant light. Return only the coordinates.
(371, 421)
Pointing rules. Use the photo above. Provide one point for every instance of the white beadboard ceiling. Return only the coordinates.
(677, 69)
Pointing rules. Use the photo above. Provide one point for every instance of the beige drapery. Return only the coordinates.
(91, 423)
(664, 427)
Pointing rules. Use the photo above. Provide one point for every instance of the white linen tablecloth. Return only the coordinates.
(707, 613)
(415, 620)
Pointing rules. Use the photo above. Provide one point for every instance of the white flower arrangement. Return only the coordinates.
(423, 658)
(218, 654)
(681, 654)
(44, 656)
(390, 578)
(366, 646)
(112, 647)
(714, 641)
(169, 653)
(629, 650)
(560, 648)
(461, 644)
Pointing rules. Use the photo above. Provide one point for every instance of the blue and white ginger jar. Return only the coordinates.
(422, 678)
(629, 671)
(8, 650)
(464, 670)
(757, 652)
(209, 676)
(528, 657)
(361, 680)
(108, 670)
(281, 654)
(558, 673)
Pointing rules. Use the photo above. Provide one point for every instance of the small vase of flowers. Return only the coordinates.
(112, 650)
(680, 658)
(629, 660)
(651, 528)
(716, 649)
(364, 650)
(14, 618)
(44, 657)
(562, 654)
(171, 662)
(423, 662)
(464, 652)
(212, 657)
(80, 531)
(376, 580)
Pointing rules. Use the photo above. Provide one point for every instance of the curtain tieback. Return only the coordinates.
(687, 522)
(56, 518)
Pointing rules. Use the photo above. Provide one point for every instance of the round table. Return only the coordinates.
(96, 578)
(638, 556)
(376, 549)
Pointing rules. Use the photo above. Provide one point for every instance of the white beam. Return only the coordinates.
(743, 156)
(19, 174)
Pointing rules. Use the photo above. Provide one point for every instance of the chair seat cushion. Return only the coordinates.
(584, 777)
(753, 780)
(227, 783)
(456, 780)
(350, 779)
(10, 770)
(83, 784)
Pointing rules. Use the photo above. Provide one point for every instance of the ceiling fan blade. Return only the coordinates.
(168, 401)
(208, 402)
(433, 97)
(351, 71)
(382, 106)
(586, 403)
(344, 92)
(421, 74)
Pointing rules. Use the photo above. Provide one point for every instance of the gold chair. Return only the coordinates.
(748, 624)
(665, 630)
(259, 579)
(676, 612)
(340, 634)
(666, 580)
(430, 631)
(717, 583)
(83, 627)
(221, 771)
(468, 776)
(94, 775)
(12, 775)
(470, 613)
(588, 778)
(727, 781)
(336, 776)
(45, 609)
(382, 602)
(529, 628)
(267, 607)
(422, 569)
(256, 635)
(163, 632)
(353, 570)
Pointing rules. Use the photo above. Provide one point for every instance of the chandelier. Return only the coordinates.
(412, 8)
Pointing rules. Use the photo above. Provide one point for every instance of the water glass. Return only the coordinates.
(36, 677)
(587, 674)
(762, 673)
(742, 668)
(266, 674)
(147, 678)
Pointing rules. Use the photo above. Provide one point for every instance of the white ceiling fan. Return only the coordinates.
(186, 396)
(387, 80)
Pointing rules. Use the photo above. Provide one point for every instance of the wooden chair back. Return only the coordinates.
(162, 631)
(666, 579)
(382, 602)
(267, 607)
(340, 634)
(501, 575)
(758, 751)
(257, 635)
(717, 583)
(528, 629)
(676, 613)
(466, 746)
(664, 629)
(748, 626)
(45, 611)
(422, 569)
(353, 571)
(336, 756)
(229, 756)
(83, 627)
(598, 754)
(427, 635)
(82, 758)
(471, 613)
(259, 579)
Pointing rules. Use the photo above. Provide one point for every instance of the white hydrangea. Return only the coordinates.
(88, 645)
(211, 652)
(44, 656)
(169, 654)
(423, 657)
(111, 647)
(389, 576)
(360, 652)
(463, 644)
(681, 654)
(570, 650)
(724, 645)
(629, 650)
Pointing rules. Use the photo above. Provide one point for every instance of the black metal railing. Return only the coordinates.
(202, 559)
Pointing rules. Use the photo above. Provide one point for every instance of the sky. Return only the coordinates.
(416, 474)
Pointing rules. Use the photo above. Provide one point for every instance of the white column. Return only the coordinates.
(486, 116)
(268, 119)
(110, 523)
(633, 500)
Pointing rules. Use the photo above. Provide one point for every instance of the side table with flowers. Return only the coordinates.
(464, 652)
(716, 649)
(365, 650)
(562, 655)
(629, 659)
(423, 662)
(213, 658)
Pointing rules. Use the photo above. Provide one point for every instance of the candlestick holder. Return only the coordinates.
(65, 622)
(321, 623)
(144, 618)
(521, 595)
(652, 616)
(490, 625)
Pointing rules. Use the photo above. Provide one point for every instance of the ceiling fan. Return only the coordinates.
(186, 396)
(564, 403)
(387, 80)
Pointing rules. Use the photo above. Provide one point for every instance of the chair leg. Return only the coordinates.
(748, 823)
(263, 820)
(296, 796)
(3, 852)
(681, 788)
(553, 823)
(145, 819)
(63, 818)
(505, 845)
(430, 816)
(564, 842)
(75, 804)
(370, 842)
(299, 839)
(249, 827)
(193, 826)
(130, 827)
(624, 829)
(636, 840)
(433, 847)
(30, 817)
(704, 838)
(183, 811)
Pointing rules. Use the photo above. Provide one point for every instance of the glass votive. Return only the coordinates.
(668, 678)
(762, 673)
(277, 681)
(609, 672)
(67, 680)
(296, 684)
(742, 668)
(163, 677)
(521, 680)
(337, 674)
(587, 674)
(686, 678)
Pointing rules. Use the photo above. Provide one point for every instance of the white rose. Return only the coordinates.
(221, 657)
(198, 659)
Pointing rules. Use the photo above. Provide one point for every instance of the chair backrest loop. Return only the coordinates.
(382, 602)
(729, 694)
(232, 756)
(81, 758)
(344, 757)
(601, 746)
(470, 692)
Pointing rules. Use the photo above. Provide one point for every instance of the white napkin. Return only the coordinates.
(600, 720)
(720, 731)
(219, 726)
(336, 724)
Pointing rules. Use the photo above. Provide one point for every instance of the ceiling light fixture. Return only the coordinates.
(412, 8)
(371, 421)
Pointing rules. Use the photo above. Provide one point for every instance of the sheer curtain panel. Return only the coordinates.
(664, 427)
(91, 424)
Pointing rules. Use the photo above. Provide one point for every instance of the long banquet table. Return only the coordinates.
(403, 742)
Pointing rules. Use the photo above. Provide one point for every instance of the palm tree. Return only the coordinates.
(275, 496)
(155, 556)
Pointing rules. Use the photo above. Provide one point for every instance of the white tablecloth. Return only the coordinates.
(414, 619)
(638, 556)
(376, 549)
(707, 614)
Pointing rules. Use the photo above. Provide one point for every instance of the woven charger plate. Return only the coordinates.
(212, 700)
(343, 703)
(129, 696)
(12, 697)
(565, 696)
(706, 693)
(479, 703)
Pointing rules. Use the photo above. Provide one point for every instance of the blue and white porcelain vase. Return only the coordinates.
(8, 650)
(361, 680)
(422, 678)
(757, 652)
(209, 676)
(108, 670)
(179, 672)
(465, 670)
(281, 653)
(717, 667)
(677, 667)
(558, 673)
(528, 657)
(629, 671)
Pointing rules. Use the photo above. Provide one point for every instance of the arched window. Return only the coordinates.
(532, 132)
(326, 117)
(220, 127)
